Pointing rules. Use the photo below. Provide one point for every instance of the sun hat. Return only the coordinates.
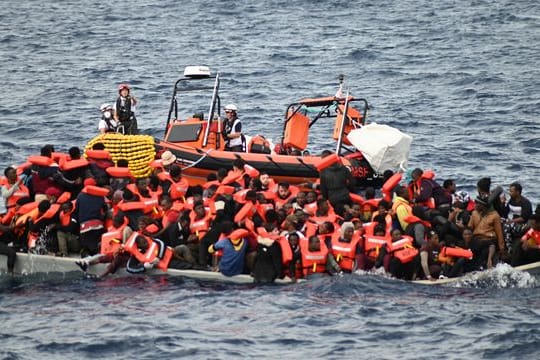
(167, 158)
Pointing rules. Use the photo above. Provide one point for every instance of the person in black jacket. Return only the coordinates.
(268, 264)
(336, 184)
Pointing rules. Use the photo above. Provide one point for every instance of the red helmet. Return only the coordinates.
(123, 86)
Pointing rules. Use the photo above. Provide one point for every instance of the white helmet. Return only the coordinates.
(105, 106)
(231, 107)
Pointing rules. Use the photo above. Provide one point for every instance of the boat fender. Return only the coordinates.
(327, 161)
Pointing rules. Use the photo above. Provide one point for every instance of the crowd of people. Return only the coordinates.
(241, 221)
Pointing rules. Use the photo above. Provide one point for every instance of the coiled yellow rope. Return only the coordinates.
(138, 150)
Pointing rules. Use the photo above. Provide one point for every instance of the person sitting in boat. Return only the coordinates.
(347, 248)
(234, 139)
(517, 211)
(67, 230)
(488, 235)
(528, 249)
(268, 263)
(167, 159)
(425, 191)
(408, 224)
(316, 258)
(234, 246)
(91, 208)
(107, 123)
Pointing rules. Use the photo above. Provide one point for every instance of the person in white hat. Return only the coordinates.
(107, 122)
(234, 139)
(167, 158)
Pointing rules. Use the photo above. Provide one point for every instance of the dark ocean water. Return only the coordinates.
(461, 77)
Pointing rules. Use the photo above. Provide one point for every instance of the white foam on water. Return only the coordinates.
(501, 276)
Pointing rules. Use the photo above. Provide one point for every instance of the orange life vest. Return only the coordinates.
(373, 245)
(112, 240)
(49, 214)
(345, 252)
(533, 235)
(20, 193)
(313, 261)
(199, 227)
(151, 253)
(403, 249)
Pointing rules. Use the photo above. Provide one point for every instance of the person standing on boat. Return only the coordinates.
(234, 139)
(124, 110)
(107, 122)
(336, 184)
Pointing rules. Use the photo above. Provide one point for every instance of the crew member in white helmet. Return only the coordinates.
(107, 122)
(234, 140)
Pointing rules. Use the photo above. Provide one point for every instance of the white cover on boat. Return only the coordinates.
(383, 146)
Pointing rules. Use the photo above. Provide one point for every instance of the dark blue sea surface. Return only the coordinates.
(461, 77)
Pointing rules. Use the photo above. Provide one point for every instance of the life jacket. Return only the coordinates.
(98, 154)
(240, 196)
(533, 236)
(20, 193)
(259, 145)
(49, 214)
(454, 252)
(327, 161)
(65, 217)
(390, 185)
(40, 160)
(64, 197)
(313, 261)
(199, 227)
(119, 172)
(345, 252)
(403, 249)
(95, 190)
(178, 189)
(232, 177)
(415, 188)
(151, 203)
(357, 198)
(124, 111)
(251, 171)
(151, 253)
(311, 208)
(73, 164)
(373, 245)
(247, 211)
(398, 201)
(130, 206)
(263, 208)
(111, 241)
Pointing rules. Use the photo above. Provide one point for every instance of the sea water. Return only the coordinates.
(461, 77)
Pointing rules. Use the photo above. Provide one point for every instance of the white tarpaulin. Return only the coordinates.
(383, 146)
